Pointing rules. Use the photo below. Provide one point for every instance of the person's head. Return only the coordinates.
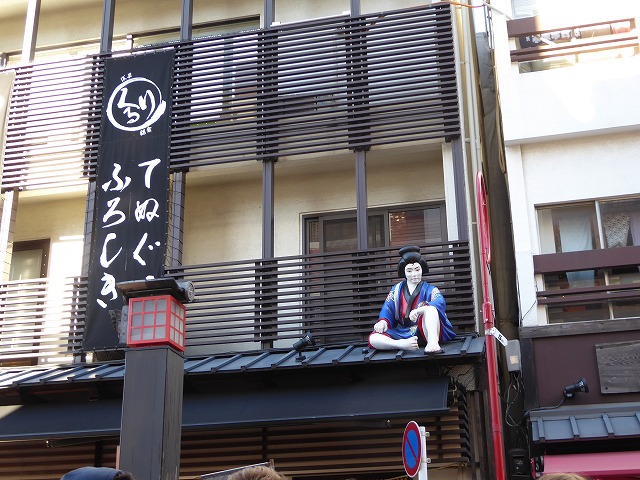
(413, 272)
(257, 473)
(97, 473)
(410, 255)
(563, 476)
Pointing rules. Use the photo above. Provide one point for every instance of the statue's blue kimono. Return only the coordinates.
(395, 311)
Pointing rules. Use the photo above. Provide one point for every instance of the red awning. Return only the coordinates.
(619, 465)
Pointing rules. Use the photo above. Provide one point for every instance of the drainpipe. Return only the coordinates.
(490, 340)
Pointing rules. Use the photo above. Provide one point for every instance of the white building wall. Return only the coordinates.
(597, 97)
(571, 134)
(582, 168)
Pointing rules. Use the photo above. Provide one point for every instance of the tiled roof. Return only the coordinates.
(465, 349)
(586, 422)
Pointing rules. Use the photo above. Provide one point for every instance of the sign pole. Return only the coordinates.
(424, 461)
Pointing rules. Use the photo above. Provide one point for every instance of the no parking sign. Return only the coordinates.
(414, 449)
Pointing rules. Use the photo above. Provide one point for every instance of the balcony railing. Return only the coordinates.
(247, 305)
(543, 45)
(612, 289)
(41, 320)
(336, 297)
(319, 86)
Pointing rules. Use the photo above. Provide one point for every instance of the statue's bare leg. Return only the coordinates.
(431, 327)
(384, 342)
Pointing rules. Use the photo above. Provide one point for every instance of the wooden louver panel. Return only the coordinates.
(335, 84)
(343, 83)
(53, 124)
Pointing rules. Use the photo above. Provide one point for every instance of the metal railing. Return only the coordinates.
(614, 278)
(539, 41)
(310, 87)
(41, 319)
(245, 305)
(335, 297)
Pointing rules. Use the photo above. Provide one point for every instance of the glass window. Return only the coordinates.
(621, 222)
(415, 226)
(25, 265)
(577, 313)
(29, 260)
(568, 228)
(335, 233)
(604, 224)
(341, 234)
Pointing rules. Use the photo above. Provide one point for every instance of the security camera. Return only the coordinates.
(580, 386)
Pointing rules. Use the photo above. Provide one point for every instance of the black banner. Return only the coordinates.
(132, 197)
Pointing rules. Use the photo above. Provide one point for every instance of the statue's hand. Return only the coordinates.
(414, 314)
(380, 326)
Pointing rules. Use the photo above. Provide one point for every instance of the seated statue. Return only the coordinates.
(413, 315)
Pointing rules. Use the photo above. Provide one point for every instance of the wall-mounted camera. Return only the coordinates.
(580, 386)
(301, 344)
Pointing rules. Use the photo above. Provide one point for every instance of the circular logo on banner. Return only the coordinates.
(135, 105)
(411, 449)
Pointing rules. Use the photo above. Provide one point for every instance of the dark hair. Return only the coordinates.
(97, 473)
(411, 254)
(123, 476)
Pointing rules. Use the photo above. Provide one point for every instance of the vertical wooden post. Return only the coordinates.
(152, 413)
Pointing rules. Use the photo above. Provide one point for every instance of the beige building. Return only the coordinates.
(307, 142)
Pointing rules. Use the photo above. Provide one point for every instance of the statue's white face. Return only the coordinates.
(413, 272)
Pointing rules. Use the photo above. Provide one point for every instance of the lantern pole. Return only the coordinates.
(151, 422)
(151, 425)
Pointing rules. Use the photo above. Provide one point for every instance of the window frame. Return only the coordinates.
(371, 212)
(43, 244)
(612, 265)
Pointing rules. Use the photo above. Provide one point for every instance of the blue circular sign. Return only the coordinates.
(411, 449)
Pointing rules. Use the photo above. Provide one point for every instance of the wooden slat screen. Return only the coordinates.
(310, 87)
(246, 305)
(343, 449)
(316, 87)
(49, 460)
(336, 297)
(40, 319)
(53, 126)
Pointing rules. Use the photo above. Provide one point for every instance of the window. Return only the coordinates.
(208, 30)
(589, 226)
(621, 222)
(29, 260)
(599, 225)
(167, 36)
(397, 227)
(332, 280)
(549, 49)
